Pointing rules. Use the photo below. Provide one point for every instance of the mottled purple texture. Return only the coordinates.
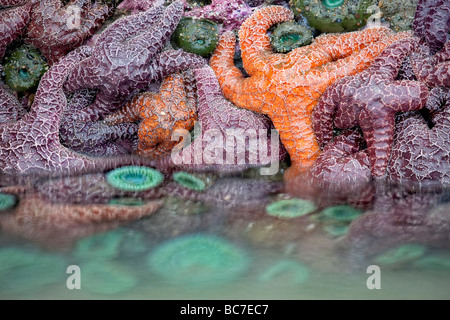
(12, 21)
(371, 99)
(54, 28)
(432, 23)
(10, 108)
(230, 13)
(434, 70)
(219, 117)
(31, 144)
(95, 138)
(420, 154)
(341, 173)
(136, 6)
(127, 57)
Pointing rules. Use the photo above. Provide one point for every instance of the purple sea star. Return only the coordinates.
(341, 174)
(230, 13)
(12, 21)
(136, 6)
(419, 154)
(31, 144)
(434, 71)
(10, 108)
(56, 29)
(432, 23)
(95, 138)
(371, 99)
(220, 120)
(127, 57)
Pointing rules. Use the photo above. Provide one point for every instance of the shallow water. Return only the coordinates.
(236, 252)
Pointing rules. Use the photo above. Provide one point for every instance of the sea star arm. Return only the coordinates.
(434, 70)
(10, 108)
(360, 60)
(323, 114)
(173, 61)
(56, 29)
(137, 37)
(339, 46)
(12, 22)
(235, 87)
(254, 41)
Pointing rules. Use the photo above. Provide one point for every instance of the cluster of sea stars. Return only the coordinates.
(349, 107)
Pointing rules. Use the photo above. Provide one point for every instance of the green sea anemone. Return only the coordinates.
(199, 36)
(334, 15)
(7, 201)
(290, 208)
(290, 35)
(189, 181)
(299, 272)
(23, 68)
(197, 260)
(400, 255)
(106, 278)
(134, 178)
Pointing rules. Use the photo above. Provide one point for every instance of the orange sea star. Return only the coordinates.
(286, 87)
(161, 113)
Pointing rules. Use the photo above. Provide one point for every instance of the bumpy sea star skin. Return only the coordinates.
(341, 174)
(127, 57)
(95, 138)
(287, 87)
(371, 99)
(10, 108)
(59, 225)
(432, 70)
(399, 217)
(230, 13)
(54, 28)
(135, 6)
(173, 108)
(432, 23)
(229, 192)
(422, 155)
(12, 21)
(31, 144)
(219, 119)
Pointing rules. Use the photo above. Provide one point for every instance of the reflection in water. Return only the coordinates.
(170, 241)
